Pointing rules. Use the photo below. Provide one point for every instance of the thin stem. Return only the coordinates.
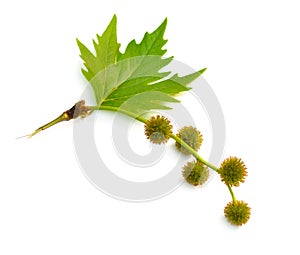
(231, 193)
(77, 110)
(115, 109)
(60, 118)
(193, 152)
(87, 110)
(174, 137)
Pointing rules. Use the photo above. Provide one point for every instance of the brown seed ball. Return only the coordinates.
(191, 136)
(195, 173)
(233, 171)
(158, 129)
(237, 213)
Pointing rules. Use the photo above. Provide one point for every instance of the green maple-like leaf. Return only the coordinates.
(132, 80)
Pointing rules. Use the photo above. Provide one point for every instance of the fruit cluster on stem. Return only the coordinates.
(188, 141)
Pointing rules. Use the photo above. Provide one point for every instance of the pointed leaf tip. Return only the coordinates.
(165, 20)
(202, 70)
(163, 25)
(78, 41)
(113, 19)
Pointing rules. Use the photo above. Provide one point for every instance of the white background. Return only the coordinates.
(252, 51)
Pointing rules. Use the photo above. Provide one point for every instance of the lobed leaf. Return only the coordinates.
(132, 80)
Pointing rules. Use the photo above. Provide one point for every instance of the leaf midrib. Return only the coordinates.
(129, 76)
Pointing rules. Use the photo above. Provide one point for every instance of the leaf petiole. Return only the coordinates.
(60, 118)
(77, 110)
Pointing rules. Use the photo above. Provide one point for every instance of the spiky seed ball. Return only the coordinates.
(158, 129)
(191, 136)
(233, 171)
(195, 173)
(237, 213)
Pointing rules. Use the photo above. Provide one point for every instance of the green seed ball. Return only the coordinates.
(195, 173)
(237, 213)
(191, 136)
(233, 171)
(158, 129)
